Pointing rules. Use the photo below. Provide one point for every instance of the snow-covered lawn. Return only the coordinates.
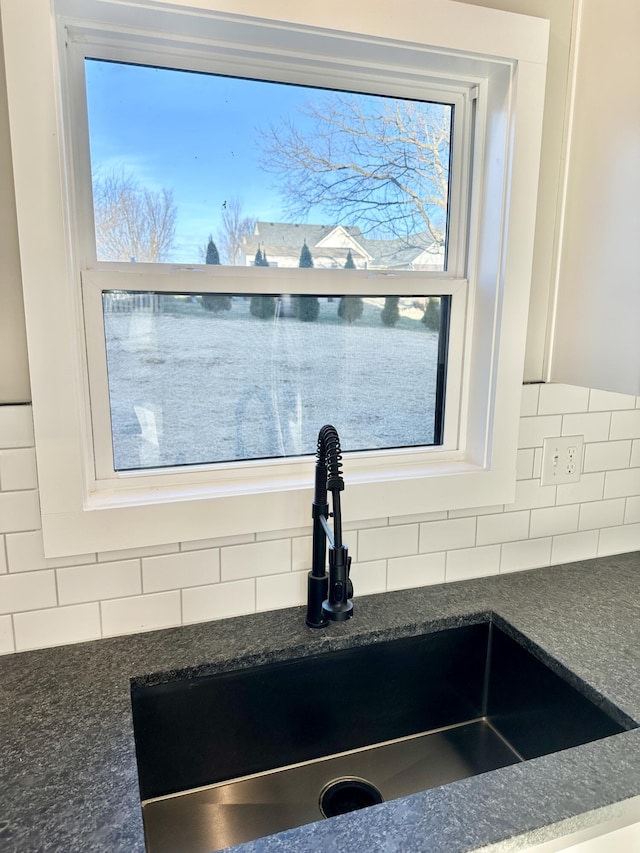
(198, 387)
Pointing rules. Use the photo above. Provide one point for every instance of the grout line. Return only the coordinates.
(13, 633)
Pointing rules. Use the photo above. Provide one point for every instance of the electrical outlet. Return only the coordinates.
(562, 459)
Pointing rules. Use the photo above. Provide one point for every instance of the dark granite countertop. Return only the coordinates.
(68, 778)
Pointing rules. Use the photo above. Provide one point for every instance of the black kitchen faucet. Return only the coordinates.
(328, 596)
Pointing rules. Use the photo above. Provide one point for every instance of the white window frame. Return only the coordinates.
(498, 58)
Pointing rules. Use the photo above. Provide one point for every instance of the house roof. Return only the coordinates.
(278, 239)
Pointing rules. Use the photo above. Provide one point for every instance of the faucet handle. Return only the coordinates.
(349, 581)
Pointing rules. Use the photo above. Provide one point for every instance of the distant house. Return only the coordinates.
(282, 242)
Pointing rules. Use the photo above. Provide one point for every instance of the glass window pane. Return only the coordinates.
(268, 173)
(204, 378)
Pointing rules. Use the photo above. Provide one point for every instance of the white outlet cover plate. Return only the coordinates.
(562, 459)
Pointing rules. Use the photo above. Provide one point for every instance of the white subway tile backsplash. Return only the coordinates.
(534, 430)
(218, 601)
(506, 527)
(594, 426)
(177, 571)
(25, 552)
(553, 521)
(18, 469)
(417, 570)
(141, 613)
(632, 510)
(266, 535)
(370, 577)
(524, 463)
(442, 535)
(260, 558)
(619, 540)
(76, 560)
(530, 494)
(100, 580)
(220, 542)
(6, 635)
(398, 541)
(302, 547)
(136, 553)
(57, 626)
(19, 511)
(364, 524)
(301, 552)
(278, 591)
(16, 426)
(608, 401)
(527, 554)
(141, 589)
(472, 563)
(29, 591)
(418, 517)
(607, 455)
(590, 487)
(625, 425)
(529, 400)
(559, 399)
(475, 511)
(574, 546)
(537, 462)
(599, 514)
(622, 484)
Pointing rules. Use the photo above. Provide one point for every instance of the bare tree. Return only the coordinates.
(132, 222)
(235, 226)
(379, 163)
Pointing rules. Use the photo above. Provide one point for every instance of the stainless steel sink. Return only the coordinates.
(231, 757)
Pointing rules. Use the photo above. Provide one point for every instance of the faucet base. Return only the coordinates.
(339, 612)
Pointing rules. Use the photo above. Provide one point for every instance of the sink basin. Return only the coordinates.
(234, 756)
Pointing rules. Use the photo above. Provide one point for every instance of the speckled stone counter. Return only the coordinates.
(68, 779)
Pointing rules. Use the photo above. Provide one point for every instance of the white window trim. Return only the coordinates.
(503, 54)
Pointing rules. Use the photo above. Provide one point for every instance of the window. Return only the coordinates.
(202, 378)
(188, 387)
(400, 313)
(188, 166)
(178, 154)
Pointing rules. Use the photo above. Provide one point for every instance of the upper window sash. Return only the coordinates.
(237, 59)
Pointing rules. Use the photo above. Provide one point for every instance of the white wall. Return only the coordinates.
(597, 333)
(560, 15)
(14, 371)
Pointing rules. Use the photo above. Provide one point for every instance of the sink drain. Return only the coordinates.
(346, 795)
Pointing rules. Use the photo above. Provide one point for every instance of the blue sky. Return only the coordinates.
(198, 135)
(192, 133)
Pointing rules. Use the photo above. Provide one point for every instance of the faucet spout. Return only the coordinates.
(329, 595)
